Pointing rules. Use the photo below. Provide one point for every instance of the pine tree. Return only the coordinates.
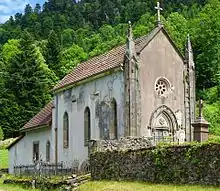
(37, 8)
(53, 51)
(27, 87)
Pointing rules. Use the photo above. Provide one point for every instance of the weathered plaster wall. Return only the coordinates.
(22, 152)
(160, 59)
(90, 95)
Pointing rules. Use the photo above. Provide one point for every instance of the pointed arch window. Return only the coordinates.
(113, 133)
(48, 151)
(65, 130)
(87, 126)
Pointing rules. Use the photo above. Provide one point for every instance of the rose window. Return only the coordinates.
(161, 87)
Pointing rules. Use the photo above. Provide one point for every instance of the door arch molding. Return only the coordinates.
(163, 119)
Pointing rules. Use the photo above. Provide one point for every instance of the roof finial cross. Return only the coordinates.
(158, 12)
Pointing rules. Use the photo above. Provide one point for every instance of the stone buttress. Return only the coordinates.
(132, 88)
(190, 95)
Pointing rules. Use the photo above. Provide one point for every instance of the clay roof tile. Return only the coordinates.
(107, 61)
(43, 118)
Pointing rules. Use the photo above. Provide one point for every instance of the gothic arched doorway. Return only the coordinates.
(163, 125)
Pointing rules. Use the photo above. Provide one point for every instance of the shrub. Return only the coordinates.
(1, 134)
(211, 114)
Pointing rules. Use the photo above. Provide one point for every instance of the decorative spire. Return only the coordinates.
(130, 50)
(189, 52)
(130, 34)
(188, 45)
(158, 8)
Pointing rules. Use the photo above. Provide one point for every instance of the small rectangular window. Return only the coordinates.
(36, 151)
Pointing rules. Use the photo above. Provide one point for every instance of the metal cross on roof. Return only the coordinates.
(158, 12)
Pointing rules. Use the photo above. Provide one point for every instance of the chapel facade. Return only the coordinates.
(143, 88)
(159, 88)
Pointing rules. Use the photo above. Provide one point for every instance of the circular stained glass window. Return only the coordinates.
(161, 87)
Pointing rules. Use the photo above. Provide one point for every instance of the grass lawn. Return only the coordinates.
(3, 158)
(135, 186)
(122, 186)
(7, 187)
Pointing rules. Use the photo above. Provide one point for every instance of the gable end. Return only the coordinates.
(154, 33)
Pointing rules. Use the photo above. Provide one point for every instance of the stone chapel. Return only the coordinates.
(145, 87)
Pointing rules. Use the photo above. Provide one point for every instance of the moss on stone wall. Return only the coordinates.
(192, 164)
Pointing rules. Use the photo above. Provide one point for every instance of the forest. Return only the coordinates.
(40, 46)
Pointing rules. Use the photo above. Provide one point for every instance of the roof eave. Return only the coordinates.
(87, 79)
(15, 141)
(173, 44)
(34, 127)
(158, 29)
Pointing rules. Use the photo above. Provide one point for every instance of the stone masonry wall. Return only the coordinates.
(192, 164)
(122, 144)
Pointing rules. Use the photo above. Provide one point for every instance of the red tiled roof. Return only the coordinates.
(94, 66)
(110, 60)
(43, 118)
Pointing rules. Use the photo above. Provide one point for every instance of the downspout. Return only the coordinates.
(56, 131)
(185, 110)
(190, 128)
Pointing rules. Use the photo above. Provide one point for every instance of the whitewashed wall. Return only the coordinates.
(111, 86)
(22, 152)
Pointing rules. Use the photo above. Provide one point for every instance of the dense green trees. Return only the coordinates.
(206, 36)
(53, 50)
(42, 45)
(26, 88)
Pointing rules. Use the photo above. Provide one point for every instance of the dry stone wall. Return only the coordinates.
(122, 144)
(192, 164)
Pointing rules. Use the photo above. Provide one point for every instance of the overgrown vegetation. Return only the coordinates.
(39, 47)
(6, 187)
(45, 182)
(189, 163)
(118, 186)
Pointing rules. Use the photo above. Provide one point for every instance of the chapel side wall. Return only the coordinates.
(22, 152)
(160, 59)
(111, 86)
(11, 156)
(17, 155)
